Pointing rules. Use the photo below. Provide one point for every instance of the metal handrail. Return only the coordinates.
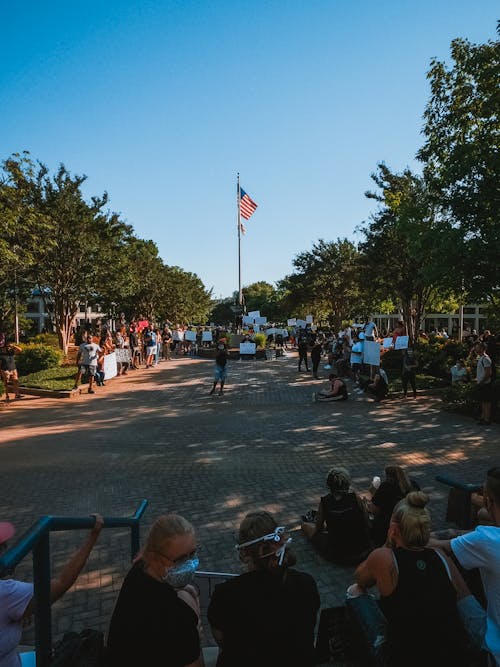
(469, 488)
(37, 539)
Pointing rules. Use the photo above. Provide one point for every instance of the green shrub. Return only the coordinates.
(50, 339)
(460, 398)
(260, 339)
(37, 357)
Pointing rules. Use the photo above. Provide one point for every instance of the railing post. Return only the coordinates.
(134, 540)
(41, 578)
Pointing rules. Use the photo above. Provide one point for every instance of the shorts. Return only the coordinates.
(484, 393)
(220, 373)
(90, 369)
(151, 349)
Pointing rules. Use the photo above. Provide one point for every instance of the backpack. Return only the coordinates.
(79, 649)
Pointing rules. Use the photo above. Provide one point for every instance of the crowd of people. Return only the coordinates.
(420, 610)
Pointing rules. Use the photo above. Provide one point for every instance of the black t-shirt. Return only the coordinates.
(267, 619)
(7, 361)
(348, 534)
(150, 625)
(221, 358)
(424, 627)
(386, 498)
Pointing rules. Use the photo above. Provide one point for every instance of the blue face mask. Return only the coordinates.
(183, 574)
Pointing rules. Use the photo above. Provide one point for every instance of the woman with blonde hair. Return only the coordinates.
(267, 615)
(155, 619)
(418, 589)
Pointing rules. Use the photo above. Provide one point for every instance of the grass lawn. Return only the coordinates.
(60, 378)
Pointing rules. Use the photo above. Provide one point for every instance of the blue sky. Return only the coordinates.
(162, 103)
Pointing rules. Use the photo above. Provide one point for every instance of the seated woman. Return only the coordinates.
(17, 603)
(156, 616)
(392, 489)
(419, 589)
(459, 373)
(379, 386)
(266, 616)
(346, 539)
(337, 391)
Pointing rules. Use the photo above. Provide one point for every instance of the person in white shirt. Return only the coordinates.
(480, 548)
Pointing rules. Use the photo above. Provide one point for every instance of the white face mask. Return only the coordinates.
(275, 536)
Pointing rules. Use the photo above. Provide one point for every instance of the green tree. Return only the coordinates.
(324, 283)
(401, 255)
(461, 157)
(22, 230)
(75, 262)
(266, 298)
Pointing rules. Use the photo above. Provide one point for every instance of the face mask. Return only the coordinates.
(181, 575)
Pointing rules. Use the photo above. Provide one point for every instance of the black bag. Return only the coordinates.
(79, 649)
(334, 642)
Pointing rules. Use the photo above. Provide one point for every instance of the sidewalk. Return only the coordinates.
(157, 434)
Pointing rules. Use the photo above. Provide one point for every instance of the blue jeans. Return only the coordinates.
(371, 625)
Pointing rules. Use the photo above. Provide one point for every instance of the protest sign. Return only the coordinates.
(254, 313)
(190, 336)
(371, 353)
(247, 348)
(206, 336)
(401, 343)
(387, 343)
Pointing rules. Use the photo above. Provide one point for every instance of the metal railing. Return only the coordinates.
(37, 540)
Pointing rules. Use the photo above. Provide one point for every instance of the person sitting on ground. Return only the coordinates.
(391, 490)
(419, 589)
(459, 373)
(480, 548)
(17, 602)
(379, 386)
(267, 615)
(336, 392)
(8, 370)
(156, 617)
(346, 539)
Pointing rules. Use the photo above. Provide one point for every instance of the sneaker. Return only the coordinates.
(90, 391)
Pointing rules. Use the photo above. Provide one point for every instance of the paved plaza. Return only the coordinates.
(157, 434)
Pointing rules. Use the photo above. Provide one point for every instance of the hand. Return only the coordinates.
(99, 523)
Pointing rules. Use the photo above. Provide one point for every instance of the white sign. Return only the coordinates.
(206, 336)
(387, 343)
(190, 336)
(371, 353)
(271, 331)
(247, 319)
(247, 348)
(309, 319)
(260, 320)
(292, 322)
(254, 313)
(401, 343)
(109, 367)
(301, 323)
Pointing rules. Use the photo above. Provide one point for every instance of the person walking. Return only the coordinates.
(220, 368)
(410, 364)
(8, 370)
(316, 351)
(303, 353)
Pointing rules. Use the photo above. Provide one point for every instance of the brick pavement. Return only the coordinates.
(157, 434)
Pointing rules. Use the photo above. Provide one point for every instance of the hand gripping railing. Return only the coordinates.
(36, 539)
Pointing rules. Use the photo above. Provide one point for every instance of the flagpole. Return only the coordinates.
(240, 296)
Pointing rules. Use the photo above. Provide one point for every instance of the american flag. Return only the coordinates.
(247, 205)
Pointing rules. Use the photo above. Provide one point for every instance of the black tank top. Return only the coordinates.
(424, 627)
(348, 535)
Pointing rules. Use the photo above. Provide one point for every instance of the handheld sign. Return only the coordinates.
(206, 336)
(371, 353)
(190, 336)
(387, 343)
(247, 348)
(401, 343)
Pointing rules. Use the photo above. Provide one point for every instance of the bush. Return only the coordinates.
(37, 357)
(50, 339)
(260, 339)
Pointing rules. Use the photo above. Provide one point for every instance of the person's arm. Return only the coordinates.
(320, 518)
(73, 567)
(379, 570)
